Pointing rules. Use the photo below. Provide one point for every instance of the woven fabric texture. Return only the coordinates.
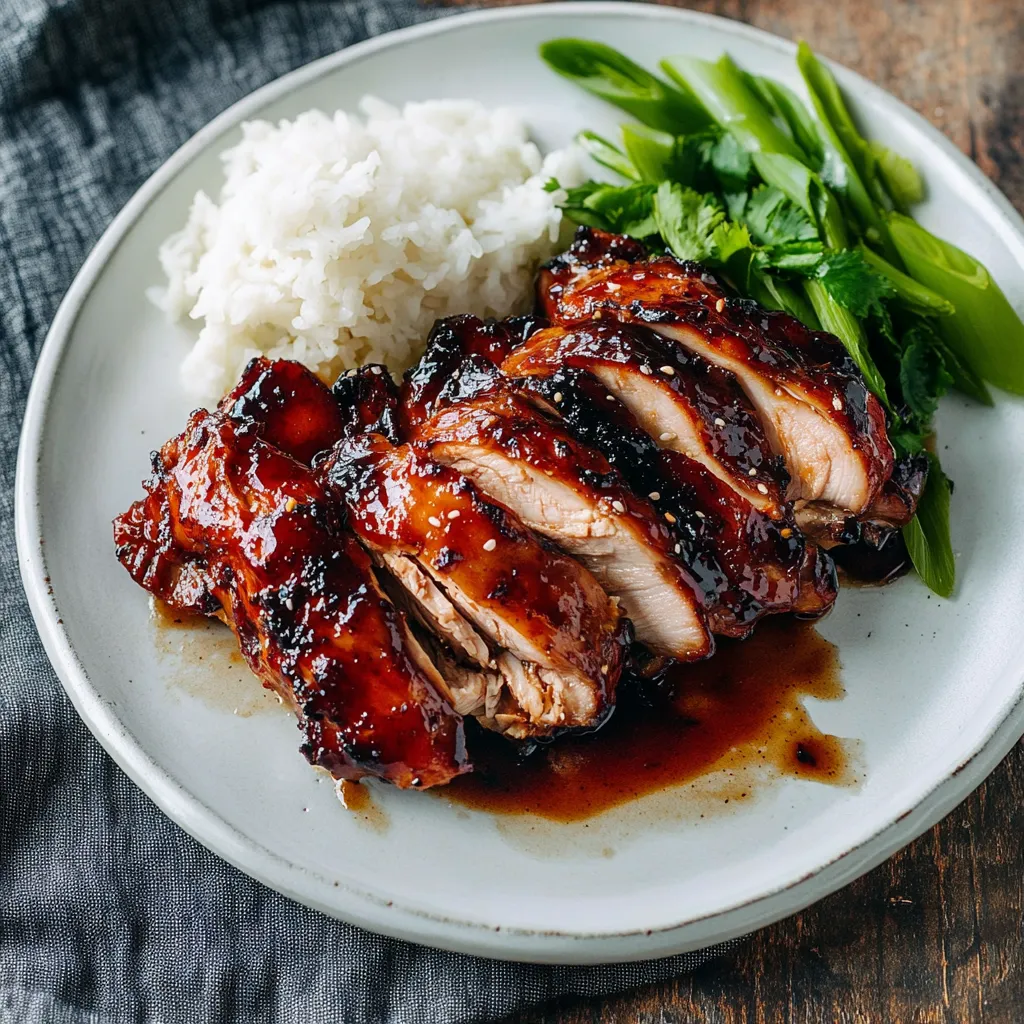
(108, 911)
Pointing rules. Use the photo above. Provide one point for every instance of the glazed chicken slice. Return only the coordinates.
(812, 400)
(748, 564)
(368, 402)
(476, 572)
(452, 341)
(684, 402)
(288, 404)
(570, 494)
(233, 527)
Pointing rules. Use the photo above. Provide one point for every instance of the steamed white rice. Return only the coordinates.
(339, 240)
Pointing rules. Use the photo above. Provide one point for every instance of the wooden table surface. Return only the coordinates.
(935, 933)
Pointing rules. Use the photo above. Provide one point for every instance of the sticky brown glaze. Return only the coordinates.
(747, 563)
(368, 400)
(294, 409)
(686, 403)
(543, 607)
(812, 400)
(569, 492)
(452, 340)
(231, 526)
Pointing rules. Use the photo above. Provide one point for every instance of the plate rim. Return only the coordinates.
(363, 907)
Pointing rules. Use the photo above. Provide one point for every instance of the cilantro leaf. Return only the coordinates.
(687, 221)
(924, 378)
(853, 284)
(775, 220)
(623, 209)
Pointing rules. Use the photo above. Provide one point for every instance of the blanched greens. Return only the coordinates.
(805, 215)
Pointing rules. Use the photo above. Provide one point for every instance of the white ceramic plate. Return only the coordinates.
(933, 687)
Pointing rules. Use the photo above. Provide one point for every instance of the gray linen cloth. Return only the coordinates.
(108, 911)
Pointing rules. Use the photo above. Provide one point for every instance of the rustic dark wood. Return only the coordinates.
(934, 934)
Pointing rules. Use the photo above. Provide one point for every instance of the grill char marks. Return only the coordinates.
(565, 639)
(368, 402)
(268, 552)
(569, 493)
(812, 401)
(291, 407)
(748, 564)
(685, 403)
(452, 341)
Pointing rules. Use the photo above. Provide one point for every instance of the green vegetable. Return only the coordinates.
(985, 332)
(927, 535)
(773, 219)
(853, 284)
(848, 144)
(687, 222)
(965, 379)
(911, 293)
(625, 209)
(808, 191)
(612, 76)
(723, 90)
(898, 176)
(602, 151)
(652, 153)
(924, 378)
(789, 108)
(838, 320)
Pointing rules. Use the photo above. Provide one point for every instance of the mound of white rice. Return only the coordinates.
(339, 240)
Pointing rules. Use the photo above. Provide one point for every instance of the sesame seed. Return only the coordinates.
(667, 436)
(376, 370)
(558, 397)
(720, 305)
(752, 472)
(490, 545)
(837, 404)
(786, 532)
(609, 398)
(669, 517)
(433, 520)
(597, 314)
(667, 370)
(289, 505)
(700, 515)
(454, 514)
(455, 374)
(618, 506)
(719, 422)
(654, 495)
(288, 604)
(762, 488)
(604, 669)
(678, 549)
(645, 369)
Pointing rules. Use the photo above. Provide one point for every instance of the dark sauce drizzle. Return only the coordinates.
(741, 708)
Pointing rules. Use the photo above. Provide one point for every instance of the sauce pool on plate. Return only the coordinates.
(741, 707)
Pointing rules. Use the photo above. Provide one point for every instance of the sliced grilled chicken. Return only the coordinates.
(748, 564)
(233, 527)
(684, 402)
(451, 342)
(476, 572)
(569, 493)
(368, 402)
(292, 409)
(813, 402)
